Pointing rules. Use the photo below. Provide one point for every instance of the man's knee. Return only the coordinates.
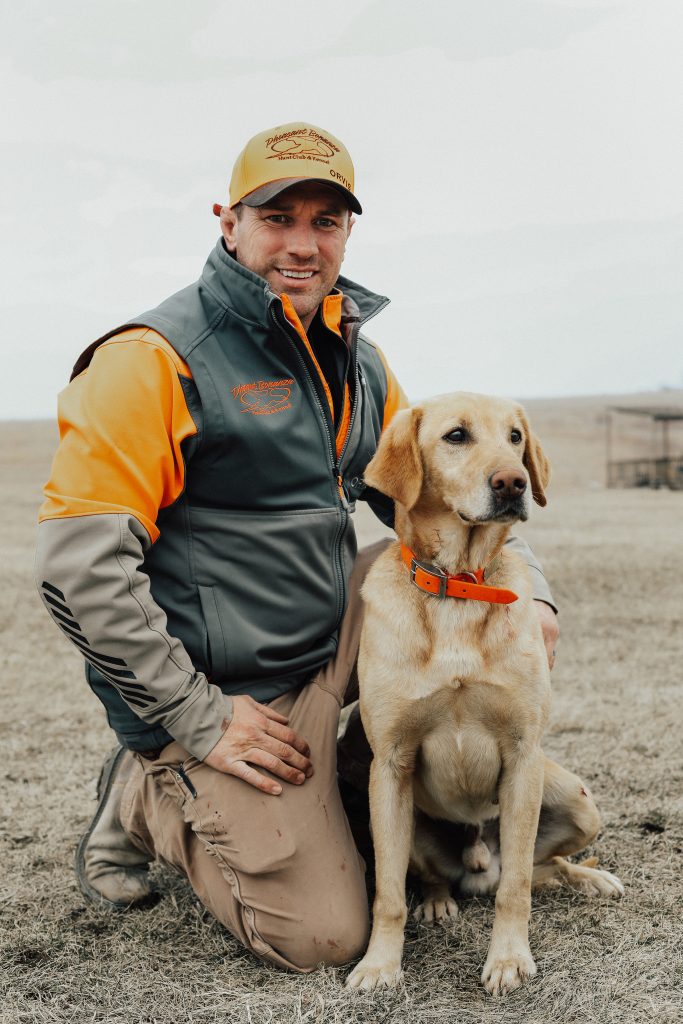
(324, 920)
(334, 941)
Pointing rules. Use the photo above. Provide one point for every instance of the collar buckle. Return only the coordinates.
(430, 570)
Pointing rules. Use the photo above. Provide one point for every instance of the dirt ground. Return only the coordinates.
(615, 560)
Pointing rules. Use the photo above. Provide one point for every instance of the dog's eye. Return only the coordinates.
(515, 436)
(457, 436)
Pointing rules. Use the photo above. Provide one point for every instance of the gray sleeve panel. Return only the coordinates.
(539, 585)
(88, 570)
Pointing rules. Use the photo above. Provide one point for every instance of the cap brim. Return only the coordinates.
(264, 193)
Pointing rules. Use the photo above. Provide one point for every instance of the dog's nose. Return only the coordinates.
(507, 483)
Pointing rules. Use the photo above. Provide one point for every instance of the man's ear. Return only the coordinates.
(536, 463)
(229, 220)
(352, 221)
(396, 468)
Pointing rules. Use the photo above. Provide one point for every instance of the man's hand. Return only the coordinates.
(257, 735)
(550, 628)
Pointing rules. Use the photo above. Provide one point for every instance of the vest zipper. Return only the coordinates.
(353, 341)
(344, 513)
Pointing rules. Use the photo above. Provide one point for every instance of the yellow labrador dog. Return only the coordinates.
(455, 689)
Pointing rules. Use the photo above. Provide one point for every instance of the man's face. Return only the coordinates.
(296, 242)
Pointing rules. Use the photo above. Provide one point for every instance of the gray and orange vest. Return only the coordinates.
(252, 561)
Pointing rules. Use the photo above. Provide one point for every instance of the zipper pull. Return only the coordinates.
(183, 777)
(342, 491)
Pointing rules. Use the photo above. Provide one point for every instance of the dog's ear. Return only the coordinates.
(396, 468)
(536, 463)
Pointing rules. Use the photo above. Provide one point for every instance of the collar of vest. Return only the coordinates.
(228, 286)
(468, 585)
(249, 295)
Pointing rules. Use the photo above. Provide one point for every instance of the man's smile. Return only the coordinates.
(300, 275)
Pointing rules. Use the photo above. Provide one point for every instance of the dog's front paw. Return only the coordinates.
(436, 908)
(370, 974)
(506, 973)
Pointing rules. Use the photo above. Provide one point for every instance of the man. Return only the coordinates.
(195, 544)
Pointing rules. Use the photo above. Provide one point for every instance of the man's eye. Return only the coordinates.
(325, 222)
(457, 436)
(515, 436)
(277, 218)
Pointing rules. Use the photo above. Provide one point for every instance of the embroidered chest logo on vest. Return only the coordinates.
(263, 397)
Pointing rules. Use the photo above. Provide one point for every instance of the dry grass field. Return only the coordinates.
(615, 559)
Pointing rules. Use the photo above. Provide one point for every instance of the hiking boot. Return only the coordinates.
(112, 871)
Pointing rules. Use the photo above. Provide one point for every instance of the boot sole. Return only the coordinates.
(104, 784)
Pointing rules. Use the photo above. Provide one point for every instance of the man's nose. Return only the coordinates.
(301, 242)
(507, 483)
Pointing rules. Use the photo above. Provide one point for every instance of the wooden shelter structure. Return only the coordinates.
(663, 467)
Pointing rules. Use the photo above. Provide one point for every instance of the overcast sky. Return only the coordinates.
(520, 164)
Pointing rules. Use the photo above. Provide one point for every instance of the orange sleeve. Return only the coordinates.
(121, 424)
(396, 397)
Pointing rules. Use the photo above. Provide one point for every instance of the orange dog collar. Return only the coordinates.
(468, 585)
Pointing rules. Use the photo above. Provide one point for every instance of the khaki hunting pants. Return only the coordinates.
(282, 873)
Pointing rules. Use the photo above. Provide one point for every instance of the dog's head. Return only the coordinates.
(474, 454)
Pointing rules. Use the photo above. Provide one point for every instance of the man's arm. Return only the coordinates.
(122, 424)
(89, 576)
(539, 585)
(544, 601)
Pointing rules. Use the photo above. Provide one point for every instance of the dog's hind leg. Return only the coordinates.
(569, 821)
(584, 877)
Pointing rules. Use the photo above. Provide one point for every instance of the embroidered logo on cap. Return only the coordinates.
(301, 144)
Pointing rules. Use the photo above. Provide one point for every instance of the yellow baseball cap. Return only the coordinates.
(281, 157)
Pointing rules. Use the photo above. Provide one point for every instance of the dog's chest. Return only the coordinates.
(457, 770)
(449, 667)
(455, 653)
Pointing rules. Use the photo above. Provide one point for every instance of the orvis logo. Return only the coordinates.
(263, 397)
